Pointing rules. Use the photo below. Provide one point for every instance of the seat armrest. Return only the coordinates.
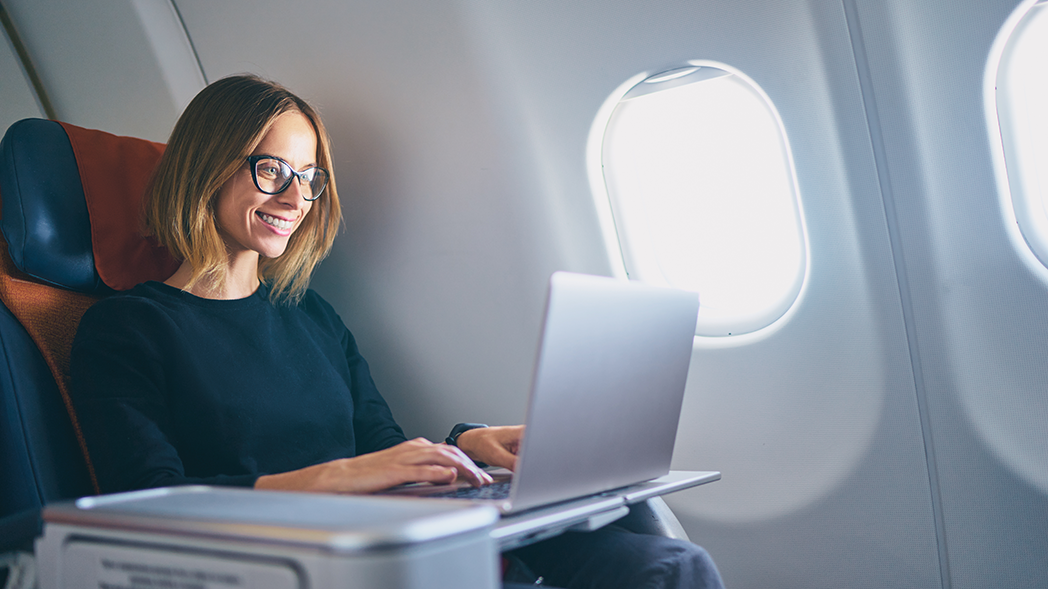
(653, 516)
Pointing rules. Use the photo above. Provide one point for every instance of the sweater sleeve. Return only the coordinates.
(373, 424)
(118, 388)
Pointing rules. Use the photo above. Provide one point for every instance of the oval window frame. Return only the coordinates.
(1017, 210)
(617, 246)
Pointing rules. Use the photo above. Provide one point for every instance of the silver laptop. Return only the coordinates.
(606, 394)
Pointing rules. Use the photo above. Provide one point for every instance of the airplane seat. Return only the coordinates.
(69, 202)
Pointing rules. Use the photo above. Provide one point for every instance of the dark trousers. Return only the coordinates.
(612, 557)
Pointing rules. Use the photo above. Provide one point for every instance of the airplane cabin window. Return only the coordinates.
(1016, 95)
(694, 165)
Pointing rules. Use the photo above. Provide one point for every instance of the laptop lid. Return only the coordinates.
(607, 388)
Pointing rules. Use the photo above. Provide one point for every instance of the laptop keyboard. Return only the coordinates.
(498, 490)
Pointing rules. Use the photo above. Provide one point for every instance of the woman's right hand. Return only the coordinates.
(417, 460)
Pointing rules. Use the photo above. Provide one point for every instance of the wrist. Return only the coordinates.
(458, 430)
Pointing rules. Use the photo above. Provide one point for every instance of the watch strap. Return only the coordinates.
(458, 430)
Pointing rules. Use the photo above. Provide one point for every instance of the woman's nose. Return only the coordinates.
(297, 193)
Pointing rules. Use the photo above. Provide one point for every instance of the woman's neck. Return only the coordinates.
(238, 280)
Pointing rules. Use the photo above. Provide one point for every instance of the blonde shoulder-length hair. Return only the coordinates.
(223, 125)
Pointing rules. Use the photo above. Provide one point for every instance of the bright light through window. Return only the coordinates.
(700, 179)
(1022, 116)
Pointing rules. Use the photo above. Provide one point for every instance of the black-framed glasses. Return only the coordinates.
(273, 175)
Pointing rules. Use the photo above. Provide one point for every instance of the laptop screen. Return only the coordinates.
(607, 388)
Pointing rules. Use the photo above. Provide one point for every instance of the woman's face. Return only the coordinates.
(252, 221)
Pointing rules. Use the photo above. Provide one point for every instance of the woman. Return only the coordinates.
(232, 372)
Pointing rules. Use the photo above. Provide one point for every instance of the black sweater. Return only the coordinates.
(174, 389)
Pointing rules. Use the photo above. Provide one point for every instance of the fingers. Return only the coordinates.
(434, 474)
(505, 455)
(496, 446)
(420, 460)
(416, 460)
(499, 456)
(422, 452)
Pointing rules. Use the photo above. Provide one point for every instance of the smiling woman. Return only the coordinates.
(231, 371)
(204, 171)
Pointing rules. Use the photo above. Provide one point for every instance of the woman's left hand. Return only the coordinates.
(496, 446)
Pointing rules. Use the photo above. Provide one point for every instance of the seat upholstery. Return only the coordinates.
(70, 201)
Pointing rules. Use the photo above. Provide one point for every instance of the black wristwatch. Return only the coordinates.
(458, 430)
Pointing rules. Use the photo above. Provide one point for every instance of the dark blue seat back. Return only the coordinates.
(45, 220)
(47, 233)
(40, 458)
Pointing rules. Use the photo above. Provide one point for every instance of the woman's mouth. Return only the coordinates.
(277, 222)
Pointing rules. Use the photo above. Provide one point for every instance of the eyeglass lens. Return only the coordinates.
(273, 176)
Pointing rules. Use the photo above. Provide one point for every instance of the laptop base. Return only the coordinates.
(589, 513)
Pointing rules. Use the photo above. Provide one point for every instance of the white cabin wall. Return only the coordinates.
(18, 99)
(980, 315)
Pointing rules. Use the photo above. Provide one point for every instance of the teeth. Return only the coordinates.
(278, 223)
